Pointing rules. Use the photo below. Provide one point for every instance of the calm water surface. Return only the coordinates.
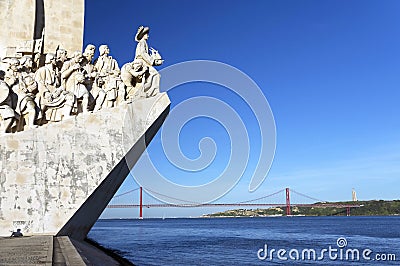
(236, 241)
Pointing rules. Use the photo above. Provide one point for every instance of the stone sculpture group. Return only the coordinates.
(34, 93)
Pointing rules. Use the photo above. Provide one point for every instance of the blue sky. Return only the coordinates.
(330, 71)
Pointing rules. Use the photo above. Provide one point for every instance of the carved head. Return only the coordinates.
(61, 55)
(26, 61)
(103, 49)
(30, 83)
(13, 64)
(90, 48)
(77, 57)
(50, 59)
(89, 52)
(137, 64)
(142, 32)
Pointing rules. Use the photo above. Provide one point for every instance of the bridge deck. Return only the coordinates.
(164, 205)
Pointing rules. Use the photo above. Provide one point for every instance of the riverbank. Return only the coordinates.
(367, 208)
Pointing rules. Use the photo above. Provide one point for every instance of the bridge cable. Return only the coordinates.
(130, 191)
(191, 202)
(301, 194)
(247, 201)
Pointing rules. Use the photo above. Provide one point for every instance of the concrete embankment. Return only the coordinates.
(49, 250)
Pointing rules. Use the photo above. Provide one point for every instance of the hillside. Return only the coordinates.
(368, 208)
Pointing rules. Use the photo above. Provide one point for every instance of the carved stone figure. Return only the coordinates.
(80, 91)
(11, 73)
(26, 106)
(22, 91)
(31, 96)
(132, 75)
(89, 70)
(7, 114)
(26, 66)
(61, 57)
(98, 93)
(54, 101)
(109, 69)
(73, 84)
(150, 60)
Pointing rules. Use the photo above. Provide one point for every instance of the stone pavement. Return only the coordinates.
(35, 250)
(49, 250)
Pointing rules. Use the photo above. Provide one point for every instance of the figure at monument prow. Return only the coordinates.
(151, 83)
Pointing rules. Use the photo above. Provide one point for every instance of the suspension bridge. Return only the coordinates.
(278, 199)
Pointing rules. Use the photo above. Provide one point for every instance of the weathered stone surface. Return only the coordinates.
(49, 250)
(36, 250)
(63, 23)
(69, 252)
(64, 26)
(17, 24)
(48, 173)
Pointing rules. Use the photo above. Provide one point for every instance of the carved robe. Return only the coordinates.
(142, 52)
(50, 98)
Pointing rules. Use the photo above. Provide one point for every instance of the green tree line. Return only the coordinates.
(367, 208)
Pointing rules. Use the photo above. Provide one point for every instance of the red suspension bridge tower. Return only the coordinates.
(288, 202)
(141, 203)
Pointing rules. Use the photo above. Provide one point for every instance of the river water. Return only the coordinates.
(254, 241)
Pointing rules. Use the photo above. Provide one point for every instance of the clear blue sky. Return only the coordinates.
(329, 69)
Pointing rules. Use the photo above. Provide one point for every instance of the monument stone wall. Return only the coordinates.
(70, 129)
(17, 25)
(58, 178)
(24, 21)
(64, 25)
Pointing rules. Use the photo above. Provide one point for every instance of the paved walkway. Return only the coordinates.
(49, 250)
(33, 250)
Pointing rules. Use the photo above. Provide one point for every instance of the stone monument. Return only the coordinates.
(29, 26)
(71, 129)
